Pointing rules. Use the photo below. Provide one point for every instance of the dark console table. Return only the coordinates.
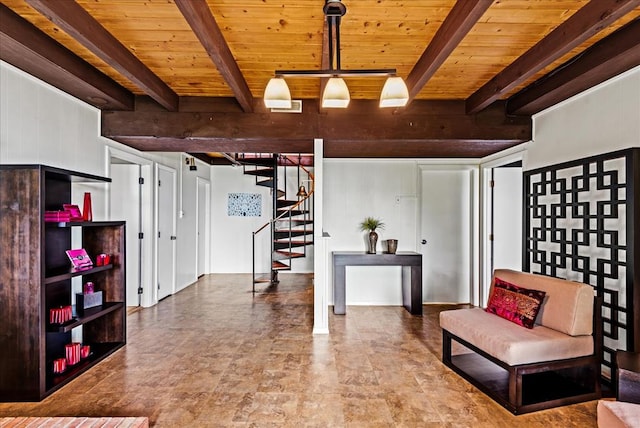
(411, 276)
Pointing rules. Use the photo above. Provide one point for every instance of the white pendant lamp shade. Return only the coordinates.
(336, 94)
(276, 94)
(394, 93)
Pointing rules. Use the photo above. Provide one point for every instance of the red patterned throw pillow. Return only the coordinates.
(516, 304)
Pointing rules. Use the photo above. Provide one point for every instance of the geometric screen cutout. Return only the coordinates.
(576, 223)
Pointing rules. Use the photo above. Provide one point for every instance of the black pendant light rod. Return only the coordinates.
(330, 28)
(334, 10)
(380, 72)
(337, 19)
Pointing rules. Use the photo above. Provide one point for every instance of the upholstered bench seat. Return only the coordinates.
(512, 343)
(528, 360)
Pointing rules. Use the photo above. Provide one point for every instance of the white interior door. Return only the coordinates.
(166, 211)
(203, 203)
(507, 218)
(446, 226)
(125, 205)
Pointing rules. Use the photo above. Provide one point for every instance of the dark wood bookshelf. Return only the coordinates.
(36, 276)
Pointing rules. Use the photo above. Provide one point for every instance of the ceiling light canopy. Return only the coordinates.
(336, 93)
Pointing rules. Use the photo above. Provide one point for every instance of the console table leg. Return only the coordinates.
(339, 292)
(416, 290)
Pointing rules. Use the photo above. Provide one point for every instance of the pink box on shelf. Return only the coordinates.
(79, 258)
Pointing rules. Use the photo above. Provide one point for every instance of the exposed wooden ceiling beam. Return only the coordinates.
(332, 148)
(29, 49)
(203, 24)
(586, 22)
(455, 27)
(79, 24)
(425, 148)
(611, 56)
(424, 129)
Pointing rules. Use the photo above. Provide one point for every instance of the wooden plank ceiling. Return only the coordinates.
(189, 75)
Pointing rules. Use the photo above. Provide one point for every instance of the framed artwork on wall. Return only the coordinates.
(244, 205)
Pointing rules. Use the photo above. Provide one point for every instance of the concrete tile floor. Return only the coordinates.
(214, 355)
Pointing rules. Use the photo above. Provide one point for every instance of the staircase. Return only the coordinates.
(291, 223)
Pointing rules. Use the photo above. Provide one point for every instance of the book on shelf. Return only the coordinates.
(79, 258)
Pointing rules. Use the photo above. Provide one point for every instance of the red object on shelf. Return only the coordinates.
(72, 351)
(103, 259)
(87, 214)
(59, 365)
(60, 315)
(85, 350)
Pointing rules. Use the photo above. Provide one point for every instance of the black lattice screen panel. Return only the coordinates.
(581, 223)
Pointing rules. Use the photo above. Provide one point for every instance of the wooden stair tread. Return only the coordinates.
(281, 234)
(277, 265)
(289, 254)
(285, 203)
(265, 172)
(265, 183)
(257, 161)
(282, 245)
(299, 221)
(292, 212)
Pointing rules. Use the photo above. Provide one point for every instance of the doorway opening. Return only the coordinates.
(501, 237)
(129, 199)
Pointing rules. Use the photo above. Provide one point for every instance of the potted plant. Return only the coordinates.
(370, 224)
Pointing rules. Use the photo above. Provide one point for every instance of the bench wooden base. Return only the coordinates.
(528, 387)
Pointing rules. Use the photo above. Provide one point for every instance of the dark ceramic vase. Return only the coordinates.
(392, 246)
(373, 241)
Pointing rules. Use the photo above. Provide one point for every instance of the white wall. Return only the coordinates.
(231, 239)
(603, 119)
(385, 189)
(40, 124)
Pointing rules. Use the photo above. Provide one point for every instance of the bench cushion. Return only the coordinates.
(567, 306)
(512, 343)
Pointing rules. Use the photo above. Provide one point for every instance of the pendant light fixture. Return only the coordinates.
(276, 94)
(336, 93)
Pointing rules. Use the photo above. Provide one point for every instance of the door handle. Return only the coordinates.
(173, 238)
(424, 241)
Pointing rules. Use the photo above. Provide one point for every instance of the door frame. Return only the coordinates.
(207, 223)
(174, 199)
(470, 165)
(147, 217)
(486, 204)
